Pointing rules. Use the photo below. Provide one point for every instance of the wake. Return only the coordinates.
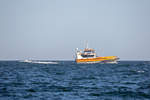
(39, 62)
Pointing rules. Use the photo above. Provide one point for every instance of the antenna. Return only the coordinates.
(86, 44)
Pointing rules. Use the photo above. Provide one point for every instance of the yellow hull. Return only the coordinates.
(97, 59)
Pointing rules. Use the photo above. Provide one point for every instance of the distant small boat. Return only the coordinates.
(88, 55)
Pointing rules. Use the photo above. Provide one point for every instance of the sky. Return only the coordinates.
(52, 29)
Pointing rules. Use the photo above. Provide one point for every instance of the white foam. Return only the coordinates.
(140, 71)
(27, 61)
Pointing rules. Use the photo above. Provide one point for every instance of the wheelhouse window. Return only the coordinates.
(87, 55)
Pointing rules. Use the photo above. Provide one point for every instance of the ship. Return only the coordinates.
(88, 55)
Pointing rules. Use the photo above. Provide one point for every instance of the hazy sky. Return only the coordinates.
(52, 29)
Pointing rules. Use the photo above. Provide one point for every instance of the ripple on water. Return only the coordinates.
(70, 81)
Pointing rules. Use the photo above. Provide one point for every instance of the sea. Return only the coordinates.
(67, 80)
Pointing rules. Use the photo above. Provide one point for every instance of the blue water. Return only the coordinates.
(127, 80)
